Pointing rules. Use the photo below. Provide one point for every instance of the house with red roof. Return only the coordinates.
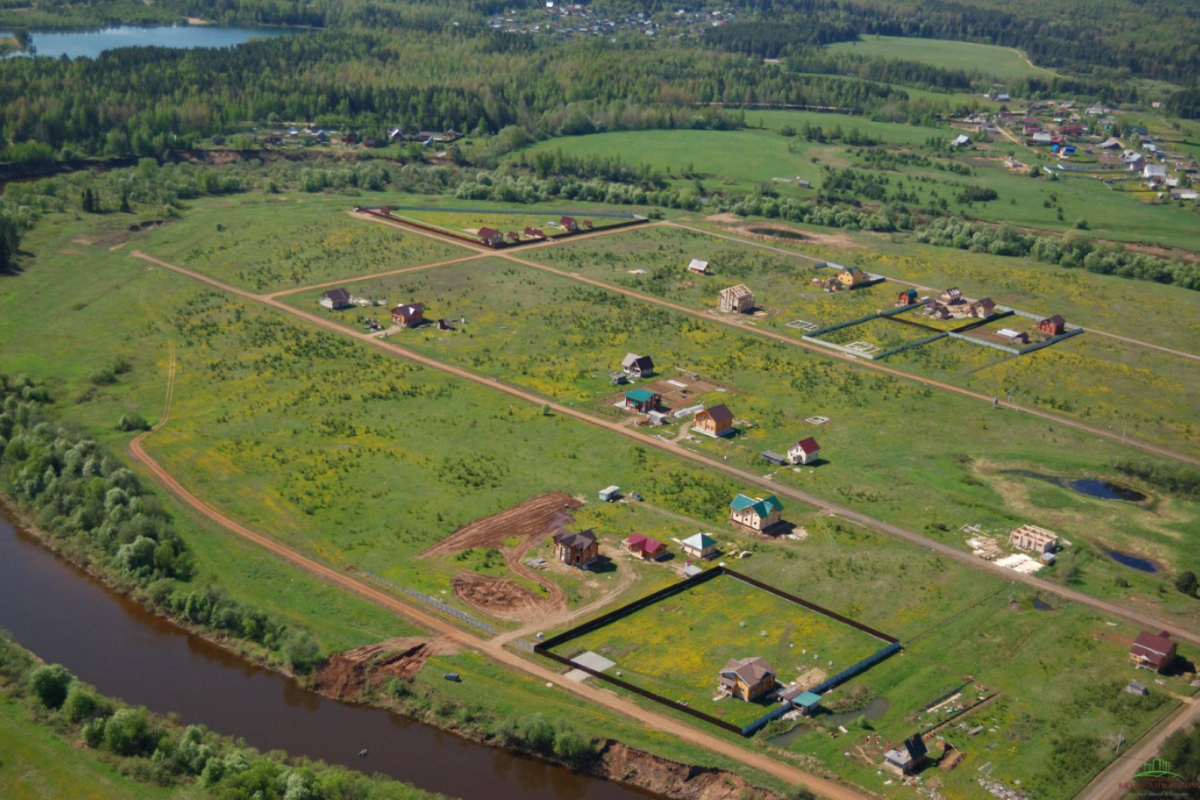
(804, 451)
(1153, 651)
(644, 547)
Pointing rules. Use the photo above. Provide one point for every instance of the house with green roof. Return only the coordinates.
(642, 400)
(755, 513)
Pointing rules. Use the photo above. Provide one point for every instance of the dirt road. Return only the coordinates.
(1107, 785)
(844, 512)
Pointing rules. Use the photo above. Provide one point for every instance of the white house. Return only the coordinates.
(804, 451)
(698, 266)
(962, 140)
(335, 299)
(1154, 171)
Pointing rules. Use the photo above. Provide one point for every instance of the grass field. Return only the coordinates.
(675, 647)
(35, 763)
(470, 222)
(1001, 62)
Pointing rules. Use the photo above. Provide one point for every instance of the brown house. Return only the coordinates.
(409, 315)
(576, 548)
(1052, 326)
(1153, 651)
(715, 421)
(642, 400)
(645, 547)
(983, 308)
(490, 236)
(937, 311)
(736, 300)
(747, 678)
(951, 296)
(533, 233)
(568, 224)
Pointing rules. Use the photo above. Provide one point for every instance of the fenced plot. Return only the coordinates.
(670, 646)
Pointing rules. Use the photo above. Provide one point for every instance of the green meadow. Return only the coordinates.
(1000, 62)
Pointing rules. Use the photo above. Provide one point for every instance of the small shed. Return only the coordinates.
(700, 546)
(610, 494)
(698, 266)
(907, 297)
(642, 400)
(691, 571)
(773, 457)
(1137, 688)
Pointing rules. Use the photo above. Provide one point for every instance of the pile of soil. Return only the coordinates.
(346, 674)
(671, 779)
(499, 598)
(529, 520)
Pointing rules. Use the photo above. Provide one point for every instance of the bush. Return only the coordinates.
(303, 653)
(132, 422)
(1186, 583)
(80, 704)
(50, 684)
(127, 732)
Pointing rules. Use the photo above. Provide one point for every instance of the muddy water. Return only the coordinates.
(65, 616)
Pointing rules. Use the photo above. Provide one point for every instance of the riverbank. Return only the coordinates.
(618, 764)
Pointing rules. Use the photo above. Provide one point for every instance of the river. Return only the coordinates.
(91, 43)
(66, 616)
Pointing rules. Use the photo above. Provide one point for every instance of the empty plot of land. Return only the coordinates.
(500, 598)
(530, 520)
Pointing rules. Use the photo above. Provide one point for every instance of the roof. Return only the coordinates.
(691, 570)
(910, 292)
(410, 309)
(488, 233)
(576, 540)
(1153, 647)
(639, 395)
(698, 264)
(750, 670)
(986, 302)
(808, 445)
(337, 295)
(719, 413)
(1056, 319)
(566, 221)
(642, 361)
(762, 507)
(807, 699)
(741, 290)
(701, 541)
(645, 543)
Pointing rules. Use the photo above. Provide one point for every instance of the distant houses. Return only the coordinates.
(410, 315)
(736, 300)
(644, 547)
(715, 421)
(700, 546)
(951, 296)
(757, 514)
(697, 266)
(747, 678)
(637, 366)
(335, 300)
(804, 451)
(576, 548)
(1153, 651)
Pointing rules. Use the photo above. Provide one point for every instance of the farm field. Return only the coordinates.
(549, 334)
(267, 246)
(676, 646)
(1001, 62)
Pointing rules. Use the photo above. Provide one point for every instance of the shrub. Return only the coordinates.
(127, 732)
(80, 704)
(50, 684)
(132, 422)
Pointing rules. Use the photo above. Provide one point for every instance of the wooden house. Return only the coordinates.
(1031, 537)
(982, 308)
(642, 400)
(907, 297)
(410, 315)
(908, 758)
(534, 233)
(568, 224)
(490, 236)
(1153, 651)
(804, 451)
(637, 366)
(513, 236)
(951, 296)
(1052, 326)
(576, 548)
(644, 547)
(715, 421)
(747, 678)
(755, 513)
(736, 300)
(697, 266)
(700, 546)
(850, 277)
(335, 299)
(937, 311)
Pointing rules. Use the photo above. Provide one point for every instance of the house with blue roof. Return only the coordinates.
(754, 513)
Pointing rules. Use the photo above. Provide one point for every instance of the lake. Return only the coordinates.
(90, 44)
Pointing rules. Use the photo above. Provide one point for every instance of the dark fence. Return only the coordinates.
(544, 648)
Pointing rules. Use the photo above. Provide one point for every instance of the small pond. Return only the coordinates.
(779, 233)
(1130, 560)
(1090, 487)
(90, 44)
(876, 708)
(1042, 605)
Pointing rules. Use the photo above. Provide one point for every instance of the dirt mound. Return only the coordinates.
(530, 520)
(346, 674)
(671, 779)
(500, 598)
